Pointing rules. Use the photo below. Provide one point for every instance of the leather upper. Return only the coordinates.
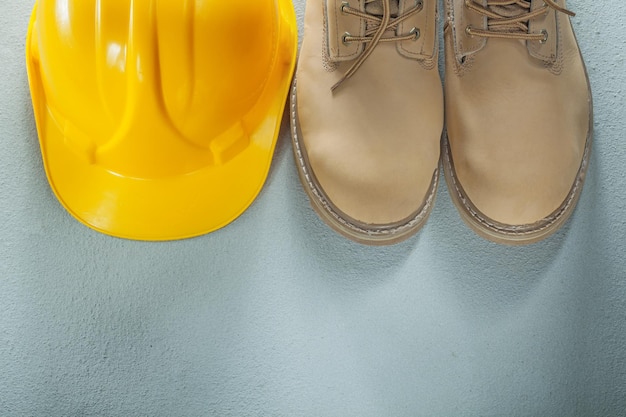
(518, 115)
(373, 144)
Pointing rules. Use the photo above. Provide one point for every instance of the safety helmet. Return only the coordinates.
(157, 119)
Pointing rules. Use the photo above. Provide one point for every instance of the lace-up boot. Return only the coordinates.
(367, 115)
(518, 116)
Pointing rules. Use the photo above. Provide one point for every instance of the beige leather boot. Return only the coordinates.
(518, 116)
(367, 115)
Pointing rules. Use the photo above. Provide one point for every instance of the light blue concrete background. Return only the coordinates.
(276, 315)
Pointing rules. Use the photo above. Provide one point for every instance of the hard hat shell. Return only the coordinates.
(157, 120)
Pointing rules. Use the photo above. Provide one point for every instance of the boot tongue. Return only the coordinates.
(512, 10)
(375, 7)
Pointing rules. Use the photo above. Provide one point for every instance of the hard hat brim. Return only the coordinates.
(166, 208)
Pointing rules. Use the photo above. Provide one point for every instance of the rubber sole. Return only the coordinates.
(367, 234)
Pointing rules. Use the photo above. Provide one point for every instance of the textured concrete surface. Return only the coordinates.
(275, 315)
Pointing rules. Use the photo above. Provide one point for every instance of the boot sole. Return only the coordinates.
(368, 234)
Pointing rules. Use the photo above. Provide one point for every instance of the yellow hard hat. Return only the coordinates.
(157, 120)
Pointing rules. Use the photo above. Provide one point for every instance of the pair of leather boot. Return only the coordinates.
(367, 116)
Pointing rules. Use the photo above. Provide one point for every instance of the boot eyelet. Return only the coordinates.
(416, 33)
(344, 6)
(468, 31)
(344, 38)
(419, 4)
(545, 37)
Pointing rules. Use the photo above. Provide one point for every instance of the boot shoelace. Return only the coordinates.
(511, 27)
(374, 35)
